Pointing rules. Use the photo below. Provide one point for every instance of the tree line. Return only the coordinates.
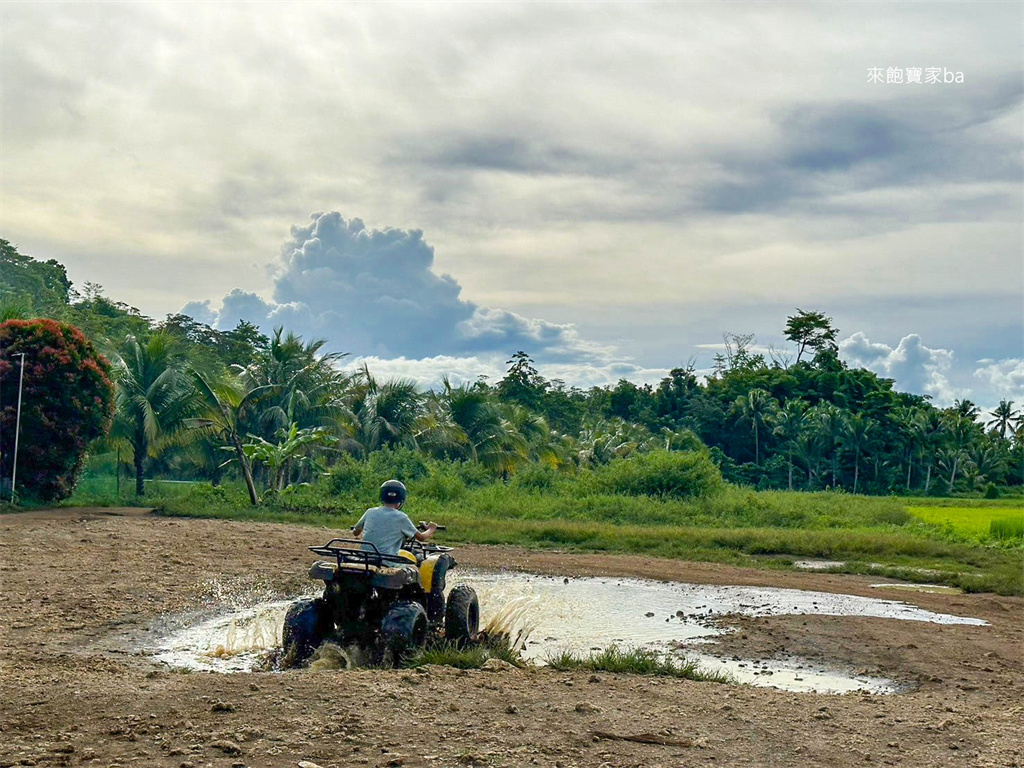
(191, 401)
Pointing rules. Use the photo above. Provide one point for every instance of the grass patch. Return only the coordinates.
(463, 657)
(741, 527)
(637, 661)
(973, 521)
(1010, 528)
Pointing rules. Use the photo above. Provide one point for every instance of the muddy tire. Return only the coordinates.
(402, 631)
(435, 600)
(305, 628)
(461, 615)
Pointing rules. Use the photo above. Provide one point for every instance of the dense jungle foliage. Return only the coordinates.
(198, 403)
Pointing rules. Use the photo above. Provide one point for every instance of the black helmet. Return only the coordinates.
(393, 492)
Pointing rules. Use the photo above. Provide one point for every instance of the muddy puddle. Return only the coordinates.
(551, 614)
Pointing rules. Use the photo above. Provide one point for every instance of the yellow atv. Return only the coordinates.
(388, 604)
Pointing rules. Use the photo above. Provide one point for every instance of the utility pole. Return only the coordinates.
(17, 428)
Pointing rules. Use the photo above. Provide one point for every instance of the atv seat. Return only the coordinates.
(381, 576)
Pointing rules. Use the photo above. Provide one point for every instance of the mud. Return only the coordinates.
(80, 588)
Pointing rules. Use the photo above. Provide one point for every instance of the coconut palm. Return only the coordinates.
(154, 396)
(807, 448)
(1003, 417)
(831, 424)
(985, 461)
(787, 424)
(602, 440)
(754, 408)
(310, 386)
(383, 414)
(227, 404)
(860, 430)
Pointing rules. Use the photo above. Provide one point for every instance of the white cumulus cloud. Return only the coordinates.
(1006, 377)
(915, 367)
(428, 372)
(373, 292)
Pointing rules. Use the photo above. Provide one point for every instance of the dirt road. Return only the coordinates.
(82, 589)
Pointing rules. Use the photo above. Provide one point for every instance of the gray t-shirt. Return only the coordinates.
(385, 528)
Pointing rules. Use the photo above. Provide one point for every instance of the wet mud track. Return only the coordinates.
(80, 589)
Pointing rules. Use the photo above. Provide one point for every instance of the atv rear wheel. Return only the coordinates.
(403, 629)
(305, 627)
(461, 615)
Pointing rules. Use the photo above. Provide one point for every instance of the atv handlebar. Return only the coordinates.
(422, 525)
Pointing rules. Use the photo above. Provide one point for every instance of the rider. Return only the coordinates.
(387, 527)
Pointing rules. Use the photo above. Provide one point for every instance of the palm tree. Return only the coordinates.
(310, 385)
(949, 461)
(154, 396)
(831, 425)
(985, 461)
(931, 429)
(960, 433)
(602, 440)
(1003, 417)
(227, 403)
(967, 409)
(807, 449)
(383, 414)
(787, 424)
(859, 432)
(754, 408)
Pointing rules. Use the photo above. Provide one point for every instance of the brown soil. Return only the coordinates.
(81, 588)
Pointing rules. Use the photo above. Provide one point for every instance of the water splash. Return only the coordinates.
(331, 656)
(514, 621)
(541, 615)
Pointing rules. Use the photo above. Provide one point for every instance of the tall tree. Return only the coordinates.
(522, 383)
(383, 414)
(788, 424)
(811, 330)
(831, 425)
(754, 408)
(1003, 417)
(226, 403)
(859, 432)
(155, 395)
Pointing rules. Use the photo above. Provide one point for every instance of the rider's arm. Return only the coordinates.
(357, 529)
(424, 535)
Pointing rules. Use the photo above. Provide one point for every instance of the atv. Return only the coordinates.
(387, 604)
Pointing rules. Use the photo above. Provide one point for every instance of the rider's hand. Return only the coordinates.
(431, 527)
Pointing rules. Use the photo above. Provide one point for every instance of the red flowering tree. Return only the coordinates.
(67, 402)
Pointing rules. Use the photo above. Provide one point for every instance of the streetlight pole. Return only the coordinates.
(17, 427)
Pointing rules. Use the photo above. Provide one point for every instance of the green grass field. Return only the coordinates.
(974, 521)
(772, 529)
(974, 544)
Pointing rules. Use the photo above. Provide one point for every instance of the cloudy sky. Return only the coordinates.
(607, 186)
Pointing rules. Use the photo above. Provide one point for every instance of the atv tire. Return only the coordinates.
(461, 615)
(435, 599)
(403, 629)
(306, 626)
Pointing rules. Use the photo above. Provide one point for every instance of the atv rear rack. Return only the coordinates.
(358, 554)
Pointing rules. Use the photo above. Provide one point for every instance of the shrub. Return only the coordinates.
(991, 491)
(668, 474)
(347, 476)
(67, 402)
(403, 464)
(473, 473)
(535, 477)
(443, 484)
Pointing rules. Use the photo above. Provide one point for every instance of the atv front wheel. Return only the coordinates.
(305, 628)
(403, 629)
(461, 615)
